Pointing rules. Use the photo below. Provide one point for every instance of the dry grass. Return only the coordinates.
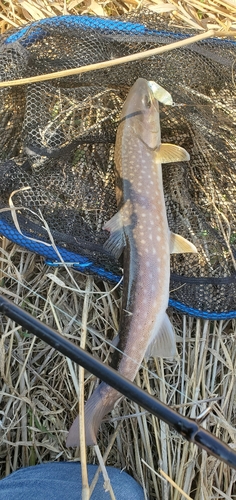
(206, 14)
(39, 396)
(40, 388)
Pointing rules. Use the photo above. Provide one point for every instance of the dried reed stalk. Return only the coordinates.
(107, 64)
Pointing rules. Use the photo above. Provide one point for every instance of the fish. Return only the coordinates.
(140, 230)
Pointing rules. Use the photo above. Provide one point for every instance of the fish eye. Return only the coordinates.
(147, 101)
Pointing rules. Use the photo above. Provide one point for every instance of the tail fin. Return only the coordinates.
(100, 403)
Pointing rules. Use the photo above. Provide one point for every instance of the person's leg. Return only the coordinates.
(62, 481)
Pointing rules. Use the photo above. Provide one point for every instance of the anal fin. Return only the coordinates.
(163, 343)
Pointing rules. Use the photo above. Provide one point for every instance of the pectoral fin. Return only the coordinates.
(168, 153)
(162, 344)
(116, 241)
(178, 244)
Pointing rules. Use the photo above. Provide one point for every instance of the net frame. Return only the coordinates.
(34, 33)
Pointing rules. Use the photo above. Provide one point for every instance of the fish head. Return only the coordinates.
(141, 111)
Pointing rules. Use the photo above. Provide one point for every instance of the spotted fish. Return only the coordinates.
(140, 229)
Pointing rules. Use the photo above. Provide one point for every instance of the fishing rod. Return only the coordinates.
(187, 427)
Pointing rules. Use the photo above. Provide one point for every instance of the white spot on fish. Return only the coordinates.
(159, 239)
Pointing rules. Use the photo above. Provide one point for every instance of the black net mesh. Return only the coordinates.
(57, 139)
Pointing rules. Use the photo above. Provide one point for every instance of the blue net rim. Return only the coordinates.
(98, 23)
(82, 264)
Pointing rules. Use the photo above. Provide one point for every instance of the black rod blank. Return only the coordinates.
(188, 428)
